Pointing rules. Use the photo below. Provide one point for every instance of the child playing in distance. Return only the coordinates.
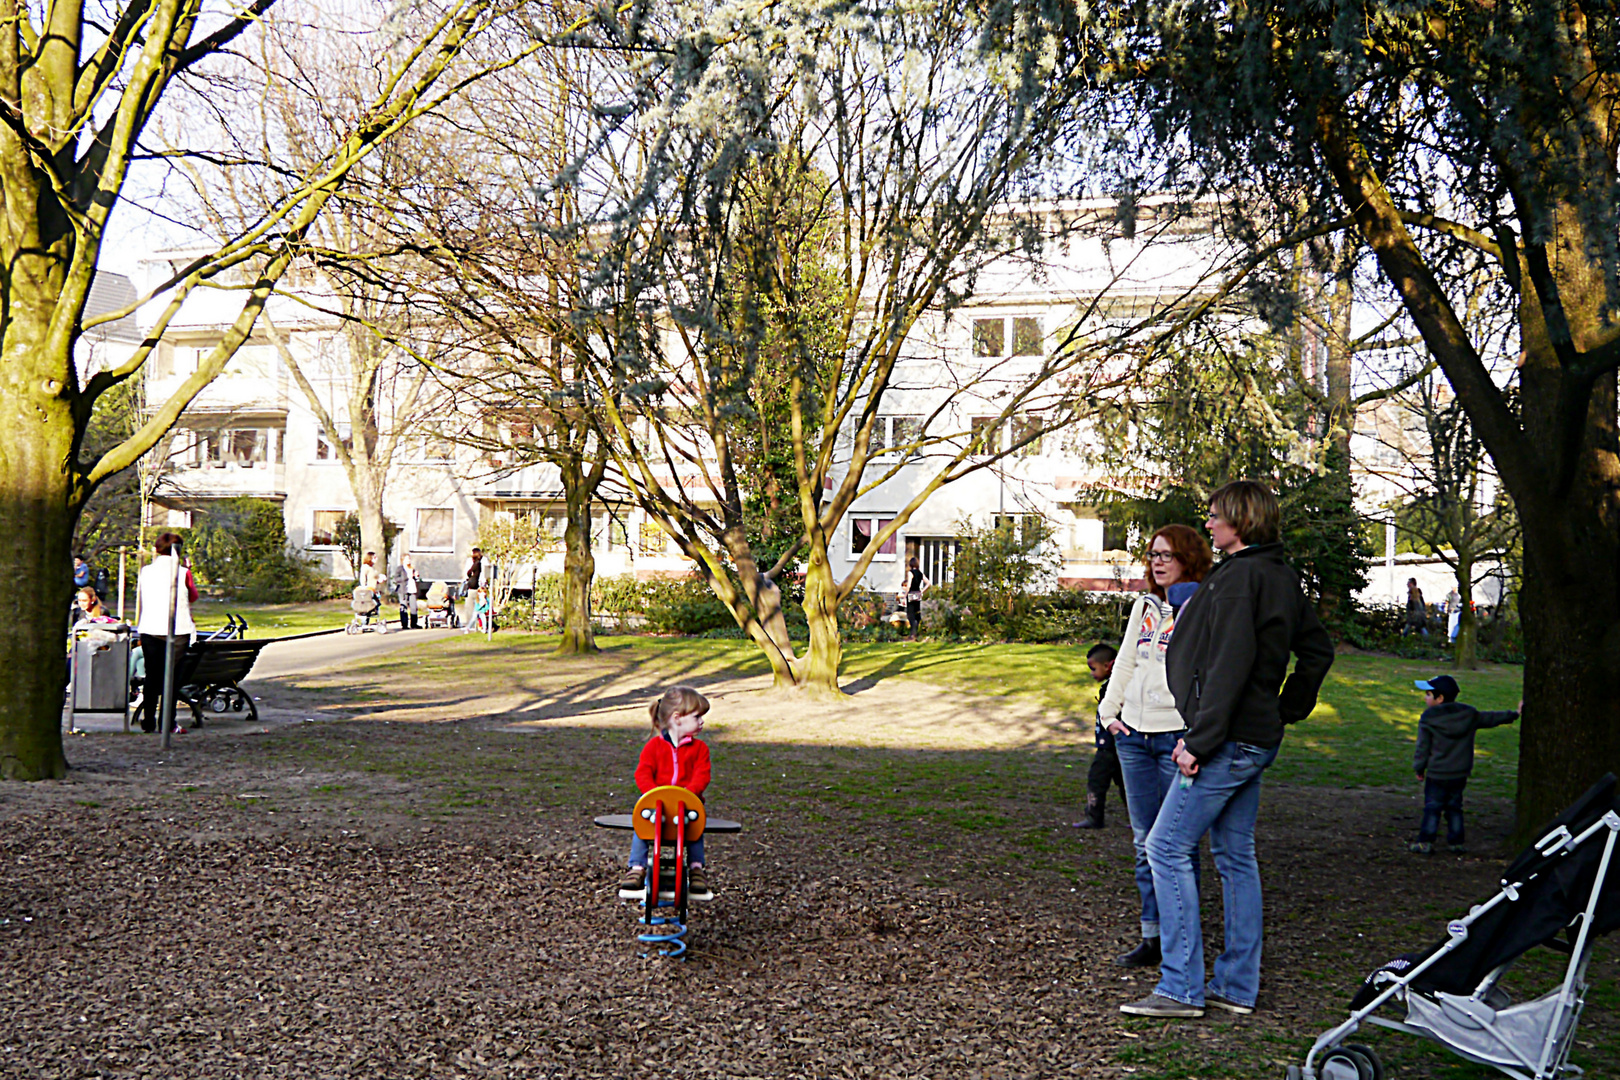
(1445, 757)
(1105, 763)
(672, 756)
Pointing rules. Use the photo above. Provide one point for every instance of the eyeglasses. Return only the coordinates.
(1163, 556)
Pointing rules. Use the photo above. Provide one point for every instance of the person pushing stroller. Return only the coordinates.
(1445, 758)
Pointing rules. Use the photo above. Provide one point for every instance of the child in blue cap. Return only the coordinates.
(1445, 757)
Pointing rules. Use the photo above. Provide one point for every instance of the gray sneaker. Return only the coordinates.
(1163, 1008)
(1226, 1004)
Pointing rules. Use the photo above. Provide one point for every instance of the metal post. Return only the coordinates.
(1389, 560)
(166, 715)
(123, 557)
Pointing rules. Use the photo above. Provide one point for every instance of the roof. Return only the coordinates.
(112, 292)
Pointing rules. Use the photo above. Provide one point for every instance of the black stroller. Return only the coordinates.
(1451, 990)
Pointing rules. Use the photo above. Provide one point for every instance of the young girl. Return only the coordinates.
(672, 756)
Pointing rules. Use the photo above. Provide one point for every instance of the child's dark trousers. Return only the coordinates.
(1104, 771)
(1442, 797)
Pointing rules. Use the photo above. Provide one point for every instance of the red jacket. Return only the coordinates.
(685, 766)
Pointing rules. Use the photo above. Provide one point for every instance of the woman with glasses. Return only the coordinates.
(1140, 713)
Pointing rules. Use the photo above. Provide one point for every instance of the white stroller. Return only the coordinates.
(1451, 990)
(365, 603)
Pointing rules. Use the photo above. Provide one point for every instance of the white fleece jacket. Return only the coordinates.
(1138, 694)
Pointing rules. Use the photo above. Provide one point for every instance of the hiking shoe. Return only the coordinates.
(634, 883)
(1162, 1008)
(697, 884)
(1144, 955)
(1226, 1004)
(1457, 849)
(1420, 847)
(1089, 823)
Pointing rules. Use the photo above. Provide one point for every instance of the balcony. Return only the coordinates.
(223, 481)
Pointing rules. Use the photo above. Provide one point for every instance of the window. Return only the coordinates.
(986, 434)
(1027, 338)
(1027, 430)
(654, 540)
(861, 531)
(323, 531)
(618, 535)
(324, 450)
(244, 447)
(435, 529)
(897, 435)
(1026, 527)
(990, 337)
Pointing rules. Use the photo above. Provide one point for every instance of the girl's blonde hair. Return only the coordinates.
(677, 701)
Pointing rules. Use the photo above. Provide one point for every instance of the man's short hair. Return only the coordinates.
(1102, 651)
(1251, 509)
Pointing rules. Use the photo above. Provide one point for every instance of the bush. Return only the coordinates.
(240, 546)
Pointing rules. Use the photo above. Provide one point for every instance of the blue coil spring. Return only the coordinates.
(671, 944)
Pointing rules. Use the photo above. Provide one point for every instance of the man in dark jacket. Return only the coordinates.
(1445, 758)
(1227, 668)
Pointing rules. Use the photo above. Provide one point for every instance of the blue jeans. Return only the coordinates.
(1442, 797)
(641, 851)
(1224, 801)
(1144, 762)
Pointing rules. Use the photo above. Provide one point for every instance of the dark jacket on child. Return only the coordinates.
(1445, 742)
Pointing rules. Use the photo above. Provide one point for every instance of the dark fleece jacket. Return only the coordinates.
(1445, 743)
(1229, 655)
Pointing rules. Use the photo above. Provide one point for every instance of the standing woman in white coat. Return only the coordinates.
(1141, 713)
(156, 584)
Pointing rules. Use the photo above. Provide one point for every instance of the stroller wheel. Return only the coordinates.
(1343, 1063)
(1374, 1062)
(352, 628)
(219, 703)
(1295, 1073)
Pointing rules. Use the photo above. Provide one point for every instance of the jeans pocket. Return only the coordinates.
(1247, 760)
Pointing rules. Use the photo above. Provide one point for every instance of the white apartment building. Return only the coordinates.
(253, 431)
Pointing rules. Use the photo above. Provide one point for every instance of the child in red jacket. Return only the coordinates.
(672, 756)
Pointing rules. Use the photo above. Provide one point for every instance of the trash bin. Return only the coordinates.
(101, 670)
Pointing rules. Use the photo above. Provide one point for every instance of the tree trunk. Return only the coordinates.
(1570, 733)
(1464, 650)
(579, 568)
(818, 673)
(368, 504)
(37, 516)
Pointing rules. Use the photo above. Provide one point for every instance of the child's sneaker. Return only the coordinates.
(634, 883)
(1457, 849)
(697, 884)
(1420, 847)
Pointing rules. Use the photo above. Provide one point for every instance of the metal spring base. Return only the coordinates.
(671, 944)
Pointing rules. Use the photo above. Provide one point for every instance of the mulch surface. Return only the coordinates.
(212, 913)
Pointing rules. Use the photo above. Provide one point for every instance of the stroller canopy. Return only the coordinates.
(1555, 885)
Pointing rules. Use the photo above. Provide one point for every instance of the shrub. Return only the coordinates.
(240, 546)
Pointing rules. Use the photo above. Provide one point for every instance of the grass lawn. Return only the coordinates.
(1361, 734)
(273, 620)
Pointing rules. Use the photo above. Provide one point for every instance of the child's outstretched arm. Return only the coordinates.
(1497, 719)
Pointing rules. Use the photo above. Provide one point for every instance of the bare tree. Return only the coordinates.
(77, 96)
(799, 199)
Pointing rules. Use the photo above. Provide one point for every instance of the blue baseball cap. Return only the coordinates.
(1444, 685)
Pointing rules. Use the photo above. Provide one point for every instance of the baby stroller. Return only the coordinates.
(441, 606)
(1451, 990)
(365, 603)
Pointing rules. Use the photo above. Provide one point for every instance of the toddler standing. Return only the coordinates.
(1445, 757)
(673, 755)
